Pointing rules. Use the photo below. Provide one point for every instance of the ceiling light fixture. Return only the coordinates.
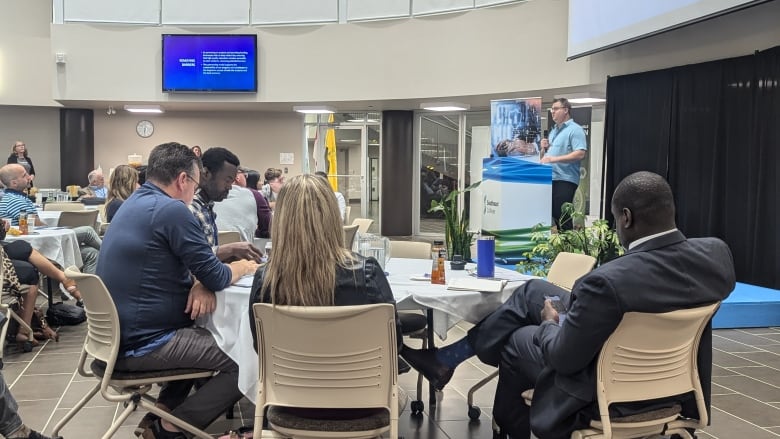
(144, 109)
(587, 100)
(314, 109)
(444, 106)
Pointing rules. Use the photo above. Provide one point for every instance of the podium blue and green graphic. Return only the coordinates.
(516, 197)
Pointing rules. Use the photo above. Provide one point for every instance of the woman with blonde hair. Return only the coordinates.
(310, 266)
(124, 181)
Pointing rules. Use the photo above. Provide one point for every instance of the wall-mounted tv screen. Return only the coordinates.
(209, 63)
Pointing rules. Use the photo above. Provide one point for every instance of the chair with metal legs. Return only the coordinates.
(564, 272)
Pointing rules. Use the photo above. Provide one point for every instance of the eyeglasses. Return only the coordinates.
(19, 144)
(197, 183)
(554, 109)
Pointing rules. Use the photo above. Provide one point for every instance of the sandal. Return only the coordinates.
(46, 332)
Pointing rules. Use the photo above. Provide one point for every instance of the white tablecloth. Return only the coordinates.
(230, 322)
(57, 244)
(449, 306)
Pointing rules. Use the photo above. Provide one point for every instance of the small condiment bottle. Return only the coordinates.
(438, 254)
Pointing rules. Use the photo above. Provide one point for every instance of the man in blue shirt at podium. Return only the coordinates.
(564, 150)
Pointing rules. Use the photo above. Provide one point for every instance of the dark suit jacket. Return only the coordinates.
(13, 158)
(664, 274)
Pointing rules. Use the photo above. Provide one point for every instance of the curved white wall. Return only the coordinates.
(495, 50)
(504, 51)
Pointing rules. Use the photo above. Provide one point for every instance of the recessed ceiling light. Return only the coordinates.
(444, 106)
(144, 109)
(363, 120)
(587, 100)
(314, 109)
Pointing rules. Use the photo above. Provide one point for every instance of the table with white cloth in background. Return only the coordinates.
(56, 243)
(231, 327)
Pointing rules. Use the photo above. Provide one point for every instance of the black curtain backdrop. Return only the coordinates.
(713, 130)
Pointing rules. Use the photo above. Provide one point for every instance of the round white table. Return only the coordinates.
(55, 243)
(231, 327)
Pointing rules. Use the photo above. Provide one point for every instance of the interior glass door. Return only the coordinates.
(357, 158)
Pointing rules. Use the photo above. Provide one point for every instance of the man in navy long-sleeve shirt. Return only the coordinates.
(149, 257)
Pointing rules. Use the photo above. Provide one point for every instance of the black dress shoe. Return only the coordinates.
(403, 366)
(425, 361)
(36, 435)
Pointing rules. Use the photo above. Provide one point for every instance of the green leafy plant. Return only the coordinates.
(457, 236)
(597, 240)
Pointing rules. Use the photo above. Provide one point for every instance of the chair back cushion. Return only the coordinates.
(410, 249)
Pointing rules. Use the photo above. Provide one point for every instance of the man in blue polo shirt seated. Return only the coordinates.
(161, 273)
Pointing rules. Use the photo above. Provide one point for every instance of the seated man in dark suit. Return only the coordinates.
(661, 271)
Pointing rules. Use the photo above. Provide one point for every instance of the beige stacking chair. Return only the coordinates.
(568, 267)
(102, 344)
(410, 249)
(564, 272)
(349, 236)
(65, 206)
(650, 356)
(363, 224)
(327, 357)
(78, 218)
(413, 323)
(228, 236)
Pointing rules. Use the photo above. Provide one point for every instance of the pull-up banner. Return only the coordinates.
(516, 188)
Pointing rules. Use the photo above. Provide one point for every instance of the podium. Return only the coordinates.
(517, 196)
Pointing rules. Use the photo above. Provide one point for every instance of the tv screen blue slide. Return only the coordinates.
(209, 63)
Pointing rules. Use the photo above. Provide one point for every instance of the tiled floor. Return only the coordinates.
(746, 387)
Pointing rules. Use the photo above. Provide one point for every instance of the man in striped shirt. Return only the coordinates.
(16, 179)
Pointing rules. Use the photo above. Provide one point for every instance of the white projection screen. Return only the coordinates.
(596, 25)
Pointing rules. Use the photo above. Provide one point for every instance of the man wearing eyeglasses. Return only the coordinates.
(161, 273)
(564, 150)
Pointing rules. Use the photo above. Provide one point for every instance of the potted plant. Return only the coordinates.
(456, 226)
(597, 240)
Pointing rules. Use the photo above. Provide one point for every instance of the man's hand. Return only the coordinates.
(548, 312)
(200, 302)
(547, 159)
(238, 250)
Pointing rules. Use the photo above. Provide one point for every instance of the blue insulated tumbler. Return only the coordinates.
(486, 256)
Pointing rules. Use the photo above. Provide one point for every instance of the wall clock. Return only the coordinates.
(144, 128)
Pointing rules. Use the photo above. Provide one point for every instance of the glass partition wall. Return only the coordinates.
(356, 161)
(451, 147)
